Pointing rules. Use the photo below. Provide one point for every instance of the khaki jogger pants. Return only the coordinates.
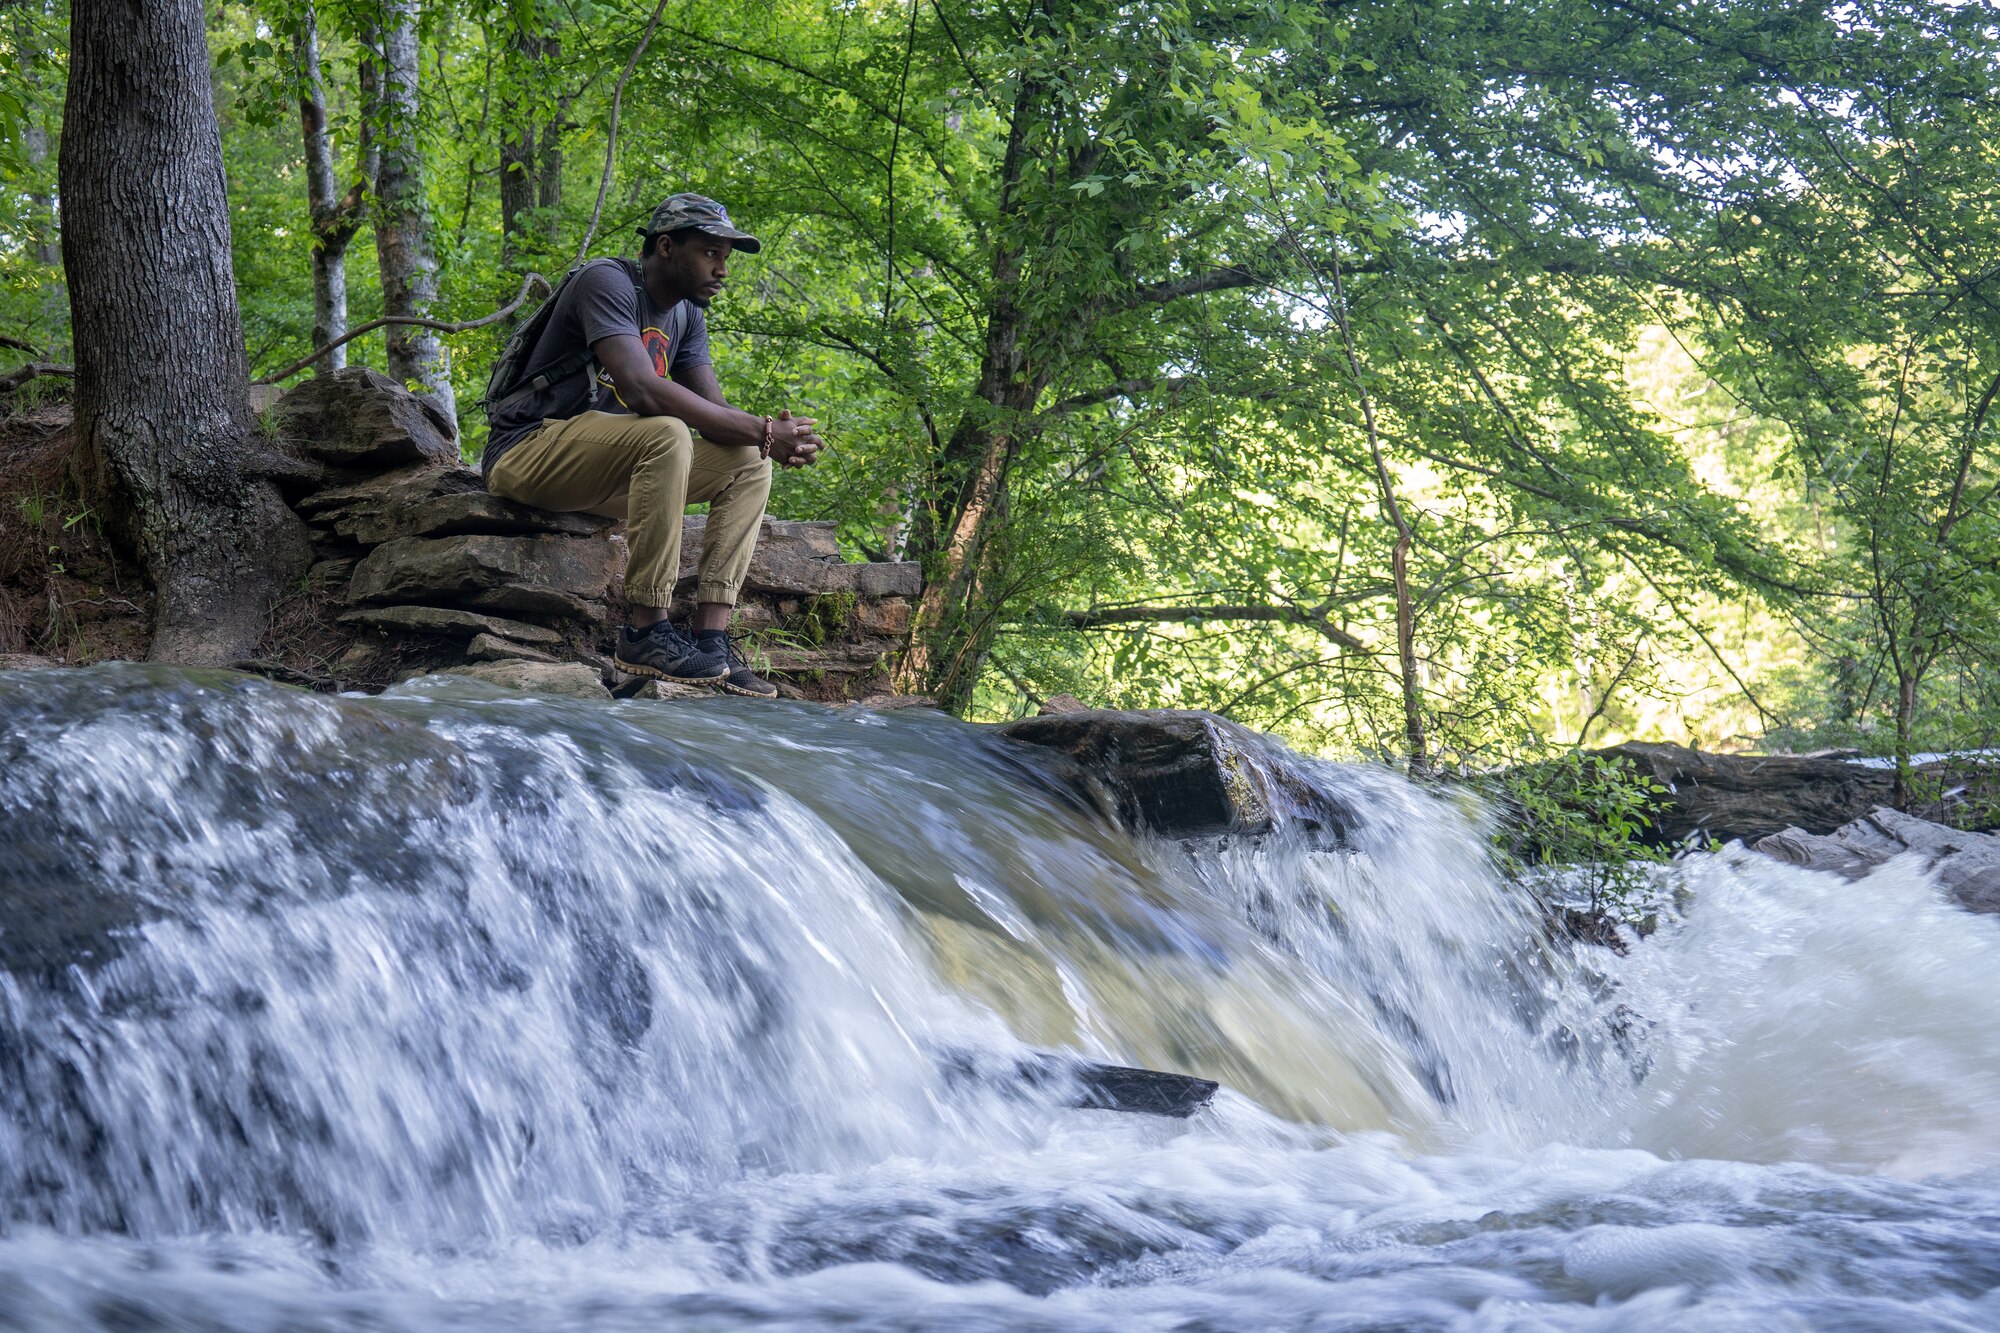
(647, 471)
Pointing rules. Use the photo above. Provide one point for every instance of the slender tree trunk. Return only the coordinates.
(402, 224)
(162, 384)
(335, 218)
(531, 161)
(1907, 684)
(517, 194)
(44, 226)
(943, 655)
(1416, 745)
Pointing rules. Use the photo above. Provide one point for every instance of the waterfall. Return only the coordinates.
(457, 1008)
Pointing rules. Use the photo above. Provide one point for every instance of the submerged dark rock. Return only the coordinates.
(1087, 1085)
(1186, 774)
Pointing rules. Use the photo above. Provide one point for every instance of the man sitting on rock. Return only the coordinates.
(642, 431)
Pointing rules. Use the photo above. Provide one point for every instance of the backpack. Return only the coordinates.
(511, 375)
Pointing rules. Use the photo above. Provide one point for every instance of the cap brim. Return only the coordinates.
(741, 240)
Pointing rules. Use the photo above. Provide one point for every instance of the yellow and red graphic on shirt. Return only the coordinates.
(659, 347)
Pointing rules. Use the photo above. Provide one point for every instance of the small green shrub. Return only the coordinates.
(1583, 816)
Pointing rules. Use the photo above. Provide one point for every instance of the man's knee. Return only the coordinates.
(667, 441)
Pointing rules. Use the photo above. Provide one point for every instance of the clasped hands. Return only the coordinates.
(793, 440)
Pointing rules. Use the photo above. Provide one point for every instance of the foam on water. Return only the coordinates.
(457, 1010)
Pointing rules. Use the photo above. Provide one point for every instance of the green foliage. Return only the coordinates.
(1111, 246)
(1582, 818)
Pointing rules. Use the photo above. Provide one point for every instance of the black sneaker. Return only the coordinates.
(742, 680)
(665, 652)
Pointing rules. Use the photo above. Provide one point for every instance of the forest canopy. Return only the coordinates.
(1439, 379)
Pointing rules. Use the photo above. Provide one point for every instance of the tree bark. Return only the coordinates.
(402, 217)
(531, 160)
(162, 397)
(944, 652)
(44, 227)
(335, 218)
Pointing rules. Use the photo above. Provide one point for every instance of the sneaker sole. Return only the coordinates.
(748, 694)
(639, 669)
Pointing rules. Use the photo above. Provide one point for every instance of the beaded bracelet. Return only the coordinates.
(770, 432)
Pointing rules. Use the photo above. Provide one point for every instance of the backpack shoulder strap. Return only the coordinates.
(569, 363)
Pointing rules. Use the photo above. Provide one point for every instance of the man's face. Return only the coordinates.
(697, 265)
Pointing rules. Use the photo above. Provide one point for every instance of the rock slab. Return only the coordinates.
(570, 679)
(1967, 864)
(543, 575)
(1185, 774)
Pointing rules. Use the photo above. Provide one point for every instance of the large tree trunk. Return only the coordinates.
(402, 225)
(162, 384)
(335, 218)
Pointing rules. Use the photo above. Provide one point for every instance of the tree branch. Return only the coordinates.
(611, 135)
(527, 284)
(33, 370)
(1215, 280)
(1312, 618)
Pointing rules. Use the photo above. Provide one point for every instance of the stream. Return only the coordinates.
(459, 1009)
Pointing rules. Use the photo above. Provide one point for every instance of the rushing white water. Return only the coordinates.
(454, 1010)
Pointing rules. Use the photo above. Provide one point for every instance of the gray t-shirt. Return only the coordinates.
(601, 301)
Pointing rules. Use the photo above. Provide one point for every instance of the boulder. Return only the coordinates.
(360, 418)
(1752, 796)
(449, 622)
(26, 662)
(563, 576)
(1967, 864)
(570, 679)
(1057, 704)
(1185, 774)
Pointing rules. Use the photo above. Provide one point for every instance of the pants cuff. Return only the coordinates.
(715, 592)
(656, 599)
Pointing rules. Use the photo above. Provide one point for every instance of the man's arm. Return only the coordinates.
(699, 402)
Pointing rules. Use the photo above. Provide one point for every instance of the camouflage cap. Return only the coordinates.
(694, 210)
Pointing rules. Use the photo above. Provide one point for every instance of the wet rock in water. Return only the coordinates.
(1727, 796)
(885, 703)
(639, 687)
(359, 417)
(571, 679)
(1967, 864)
(1085, 1084)
(26, 662)
(1185, 774)
(352, 777)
